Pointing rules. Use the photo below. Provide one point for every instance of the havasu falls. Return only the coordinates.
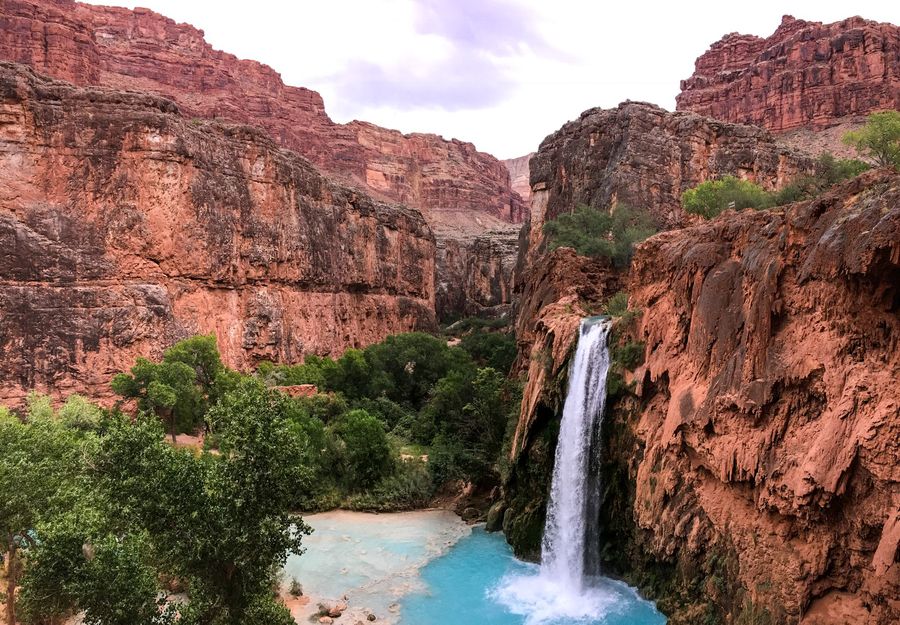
(264, 365)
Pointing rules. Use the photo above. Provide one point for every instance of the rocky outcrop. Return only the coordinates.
(641, 155)
(144, 51)
(125, 225)
(750, 462)
(770, 404)
(805, 75)
(520, 175)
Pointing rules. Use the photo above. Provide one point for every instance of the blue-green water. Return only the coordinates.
(479, 581)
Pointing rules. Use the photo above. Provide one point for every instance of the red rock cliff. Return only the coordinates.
(754, 468)
(770, 412)
(644, 156)
(125, 225)
(144, 51)
(806, 74)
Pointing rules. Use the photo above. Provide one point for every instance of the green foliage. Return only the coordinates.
(710, 198)
(79, 414)
(365, 451)
(219, 522)
(181, 387)
(592, 232)
(829, 171)
(617, 305)
(879, 139)
(630, 355)
(491, 349)
(409, 487)
(78, 564)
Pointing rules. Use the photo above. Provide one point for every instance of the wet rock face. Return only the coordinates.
(143, 51)
(644, 156)
(770, 413)
(125, 226)
(806, 74)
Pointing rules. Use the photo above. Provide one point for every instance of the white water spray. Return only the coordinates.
(562, 591)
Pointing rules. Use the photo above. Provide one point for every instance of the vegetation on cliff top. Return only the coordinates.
(879, 139)
(593, 232)
(708, 199)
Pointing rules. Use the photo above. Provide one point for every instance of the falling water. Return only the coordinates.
(567, 588)
(570, 548)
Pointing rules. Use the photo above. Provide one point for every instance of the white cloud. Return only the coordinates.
(503, 73)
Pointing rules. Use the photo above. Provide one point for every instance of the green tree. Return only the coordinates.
(592, 232)
(491, 349)
(221, 522)
(39, 459)
(168, 389)
(366, 450)
(879, 139)
(710, 198)
(78, 564)
(405, 367)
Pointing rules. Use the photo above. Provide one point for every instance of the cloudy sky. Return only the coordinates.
(500, 73)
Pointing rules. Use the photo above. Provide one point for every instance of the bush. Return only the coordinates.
(608, 234)
(630, 355)
(829, 171)
(710, 198)
(617, 305)
(365, 450)
(408, 488)
(491, 349)
(879, 139)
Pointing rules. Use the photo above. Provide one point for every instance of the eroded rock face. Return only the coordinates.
(753, 466)
(144, 51)
(126, 225)
(805, 75)
(770, 403)
(520, 175)
(643, 156)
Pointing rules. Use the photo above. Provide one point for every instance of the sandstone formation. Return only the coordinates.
(643, 156)
(125, 225)
(805, 75)
(519, 175)
(144, 51)
(752, 467)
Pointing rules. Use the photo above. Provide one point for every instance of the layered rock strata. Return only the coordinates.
(125, 225)
(805, 75)
(644, 156)
(144, 51)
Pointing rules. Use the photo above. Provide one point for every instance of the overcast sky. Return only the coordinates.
(500, 73)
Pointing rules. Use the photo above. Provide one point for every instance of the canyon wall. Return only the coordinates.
(126, 225)
(805, 75)
(143, 51)
(750, 460)
(643, 156)
(520, 175)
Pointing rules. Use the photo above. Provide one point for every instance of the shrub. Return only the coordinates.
(365, 450)
(879, 139)
(828, 172)
(608, 234)
(630, 355)
(617, 305)
(710, 198)
(491, 349)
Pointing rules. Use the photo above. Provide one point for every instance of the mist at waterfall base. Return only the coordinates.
(470, 585)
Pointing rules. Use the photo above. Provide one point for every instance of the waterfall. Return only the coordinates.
(570, 547)
(567, 588)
